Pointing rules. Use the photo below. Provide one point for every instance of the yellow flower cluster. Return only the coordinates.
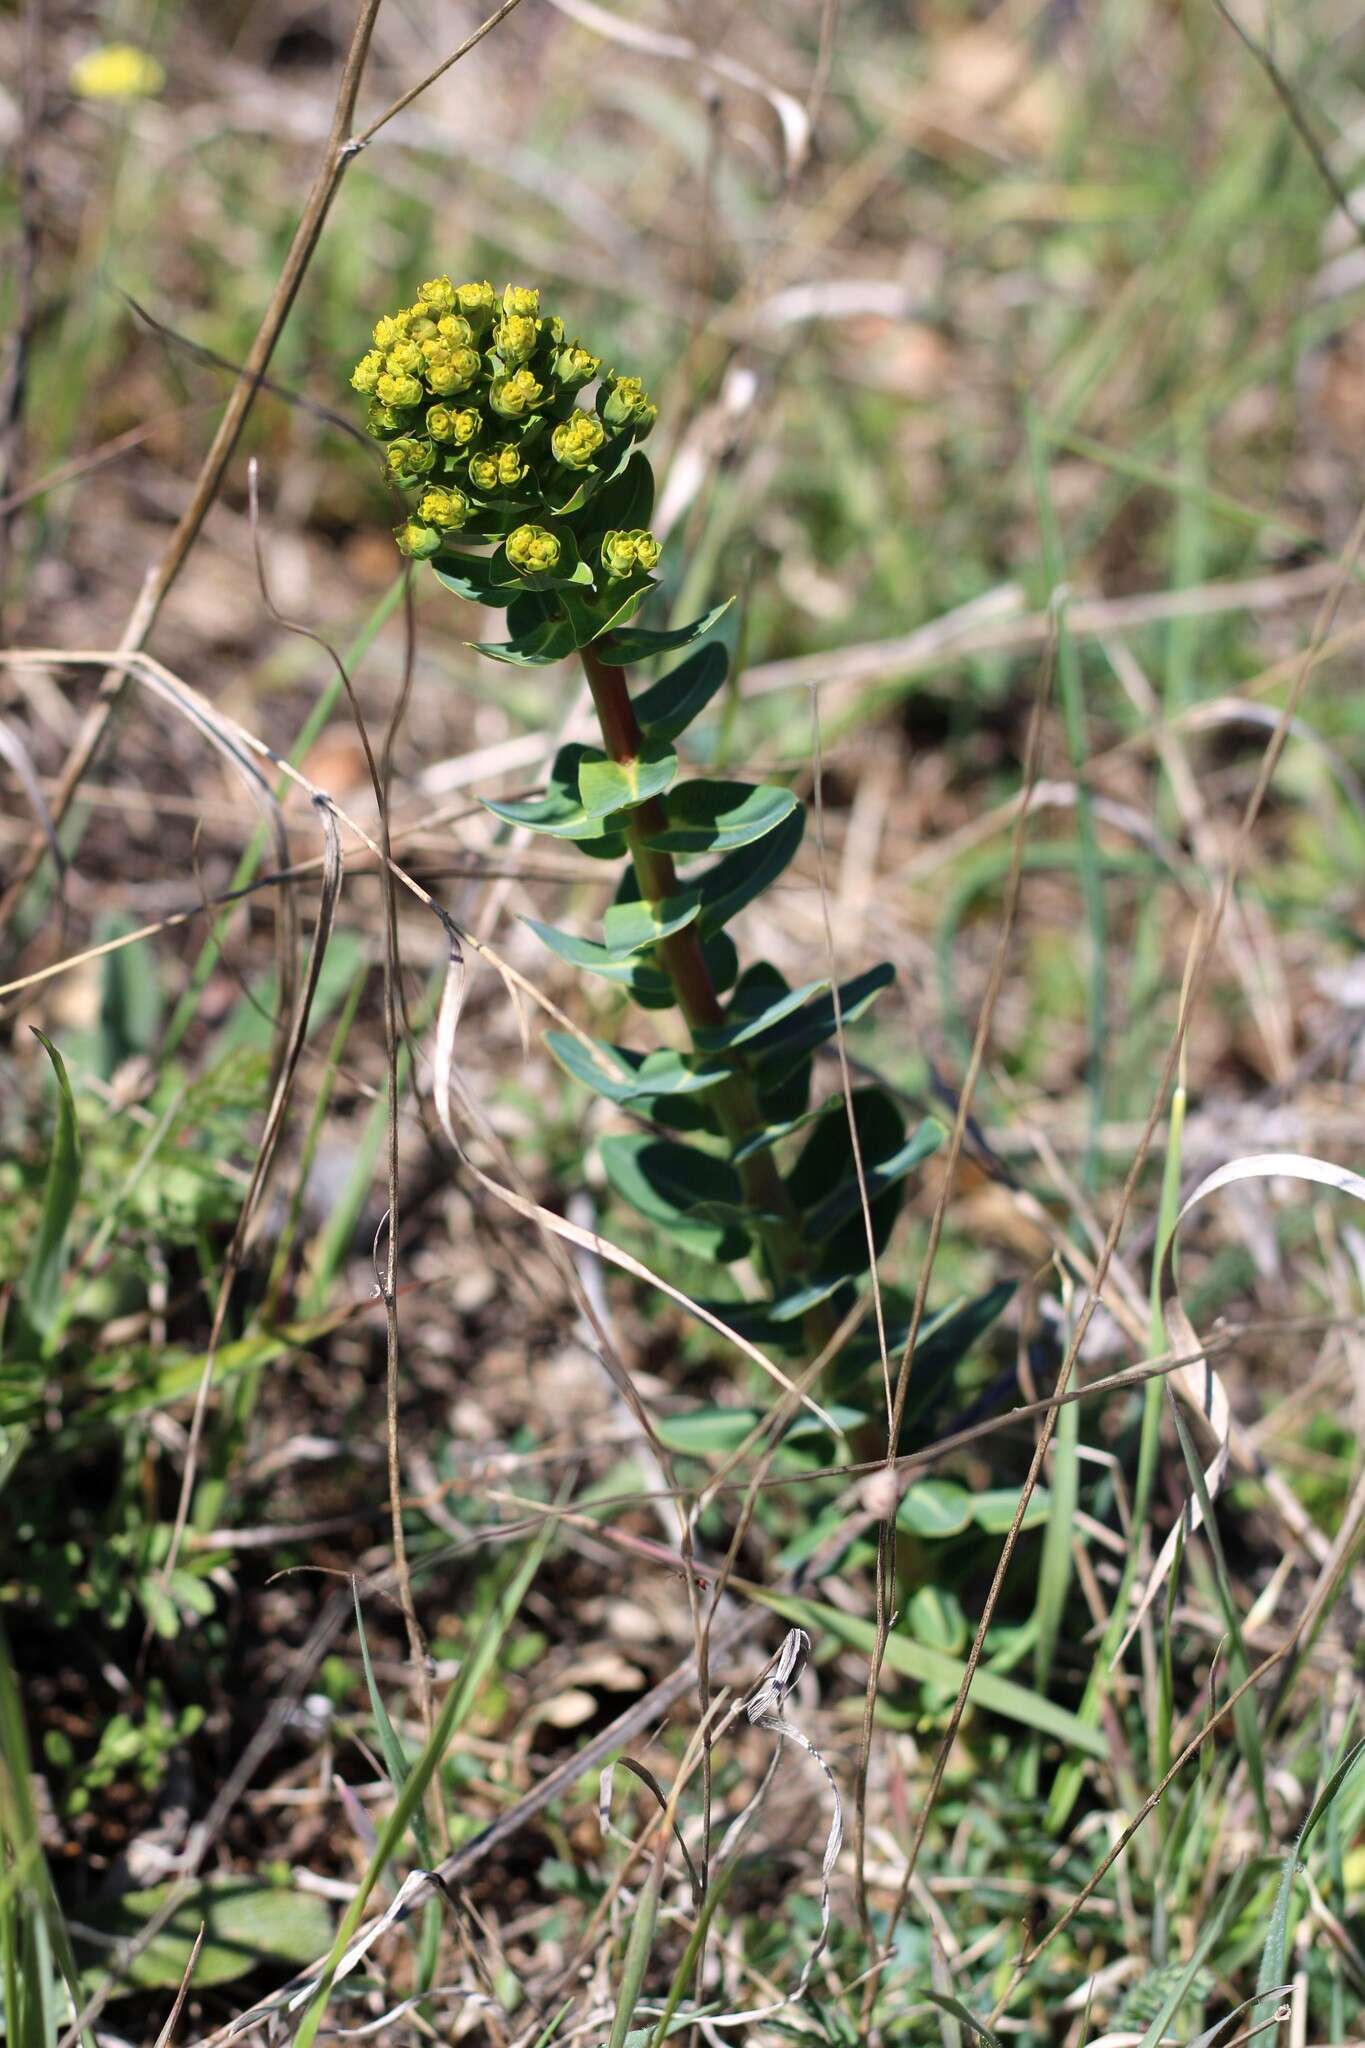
(476, 399)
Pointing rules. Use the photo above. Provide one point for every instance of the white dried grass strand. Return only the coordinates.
(1197, 1383)
(651, 42)
(16, 753)
(765, 1707)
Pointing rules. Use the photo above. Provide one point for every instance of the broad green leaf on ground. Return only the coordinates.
(247, 1925)
(934, 1508)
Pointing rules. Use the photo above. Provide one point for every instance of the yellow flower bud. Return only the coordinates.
(447, 509)
(456, 428)
(577, 439)
(399, 390)
(477, 303)
(389, 331)
(417, 540)
(623, 552)
(404, 359)
(574, 367)
(438, 293)
(532, 549)
(628, 404)
(497, 468)
(516, 394)
(521, 298)
(455, 372)
(383, 420)
(455, 329)
(408, 461)
(366, 373)
(515, 338)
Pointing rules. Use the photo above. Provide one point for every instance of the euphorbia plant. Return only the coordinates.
(528, 496)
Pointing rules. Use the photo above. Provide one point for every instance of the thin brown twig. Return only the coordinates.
(1293, 106)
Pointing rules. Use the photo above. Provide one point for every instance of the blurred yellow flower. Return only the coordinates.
(119, 71)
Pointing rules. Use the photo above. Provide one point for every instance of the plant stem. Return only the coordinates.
(735, 1099)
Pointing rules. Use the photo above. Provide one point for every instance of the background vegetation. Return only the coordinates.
(1010, 371)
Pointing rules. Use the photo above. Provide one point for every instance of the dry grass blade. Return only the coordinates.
(13, 750)
(647, 1778)
(633, 35)
(163, 2038)
(1197, 1383)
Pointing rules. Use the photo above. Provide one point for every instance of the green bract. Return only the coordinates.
(549, 501)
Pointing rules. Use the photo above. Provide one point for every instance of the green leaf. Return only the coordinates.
(933, 1667)
(943, 1343)
(718, 1431)
(736, 880)
(629, 1077)
(669, 706)
(648, 984)
(935, 1618)
(761, 1000)
(794, 1038)
(774, 1133)
(934, 1508)
(48, 1259)
(469, 576)
(1272, 1967)
(878, 1175)
(637, 643)
(395, 1761)
(605, 786)
(626, 500)
(628, 927)
(542, 630)
(696, 1197)
(712, 817)
(246, 1924)
(993, 1510)
(824, 1180)
(946, 2003)
(559, 813)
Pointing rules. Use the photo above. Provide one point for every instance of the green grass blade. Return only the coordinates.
(48, 1259)
(638, 1948)
(454, 1710)
(1271, 1975)
(936, 1667)
(395, 1762)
